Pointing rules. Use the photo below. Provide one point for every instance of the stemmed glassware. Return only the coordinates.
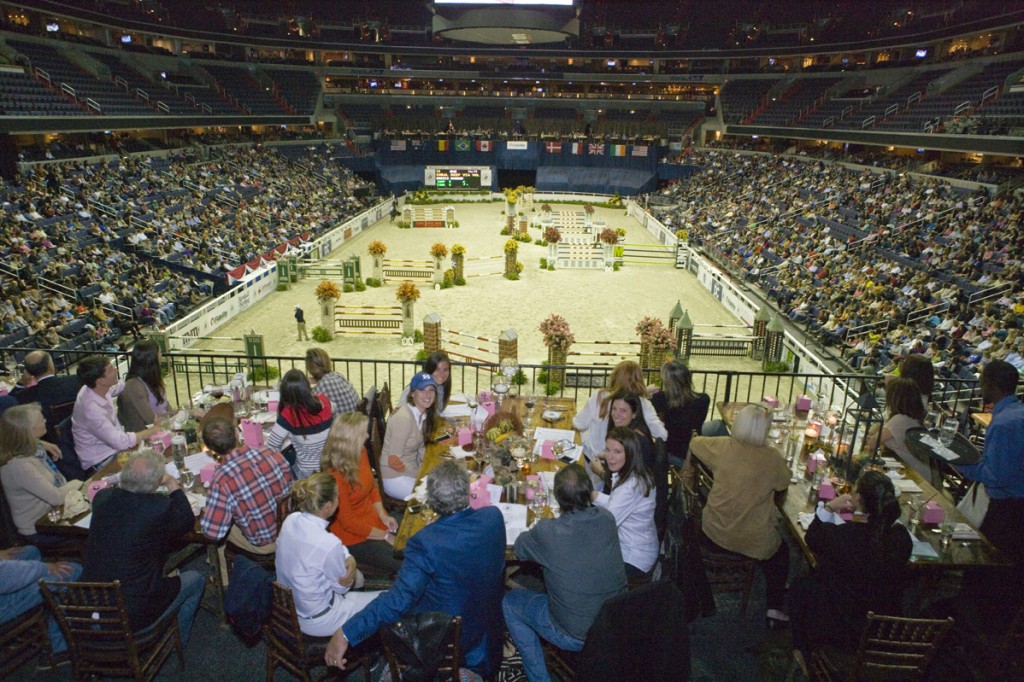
(531, 402)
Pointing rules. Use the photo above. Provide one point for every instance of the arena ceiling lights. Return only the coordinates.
(512, 22)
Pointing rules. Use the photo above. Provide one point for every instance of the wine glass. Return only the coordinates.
(188, 480)
(531, 402)
(915, 505)
(428, 514)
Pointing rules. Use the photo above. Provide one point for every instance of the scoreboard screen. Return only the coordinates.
(457, 178)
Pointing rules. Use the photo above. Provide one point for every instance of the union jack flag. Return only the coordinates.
(596, 149)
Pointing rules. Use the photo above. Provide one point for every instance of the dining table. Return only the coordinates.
(930, 552)
(552, 412)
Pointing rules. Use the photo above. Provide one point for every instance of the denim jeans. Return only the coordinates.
(189, 596)
(13, 604)
(529, 620)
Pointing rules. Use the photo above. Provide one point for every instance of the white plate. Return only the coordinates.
(551, 415)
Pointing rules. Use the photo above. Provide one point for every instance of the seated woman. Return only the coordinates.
(903, 401)
(31, 482)
(921, 371)
(629, 499)
(439, 367)
(315, 565)
(739, 516)
(408, 429)
(304, 419)
(626, 377)
(626, 412)
(680, 408)
(361, 522)
(144, 399)
(859, 566)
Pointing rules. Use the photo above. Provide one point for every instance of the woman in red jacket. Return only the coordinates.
(361, 522)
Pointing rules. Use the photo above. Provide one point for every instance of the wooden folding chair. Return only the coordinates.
(23, 639)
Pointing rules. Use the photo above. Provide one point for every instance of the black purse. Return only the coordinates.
(419, 642)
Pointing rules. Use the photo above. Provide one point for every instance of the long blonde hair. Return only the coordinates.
(627, 377)
(344, 446)
(16, 439)
(311, 494)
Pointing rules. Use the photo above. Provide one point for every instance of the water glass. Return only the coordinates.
(55, 514)
(947, 432)
(946, 529)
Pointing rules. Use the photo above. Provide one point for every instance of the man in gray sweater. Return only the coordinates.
(583, 567)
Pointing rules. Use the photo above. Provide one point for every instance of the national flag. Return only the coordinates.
(416, 144)
(618, 149)
(596, 149)
(398, 145)
(483, 145)
(517, 145)
(462, 145)
(577, 148)
(442, 145)
(553, 147)
(639, 150)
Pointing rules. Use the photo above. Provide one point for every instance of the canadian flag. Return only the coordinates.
(553, 147)
(483, 145)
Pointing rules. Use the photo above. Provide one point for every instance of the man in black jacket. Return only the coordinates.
(131, 535)
(56, 395)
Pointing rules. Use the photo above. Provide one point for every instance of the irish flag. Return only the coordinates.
(618, 150)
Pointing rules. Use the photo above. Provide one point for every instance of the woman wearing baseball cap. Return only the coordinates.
(405, 437)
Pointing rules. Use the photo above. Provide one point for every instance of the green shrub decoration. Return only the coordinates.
(417, 336)
(348, 288)
(543, 263)
(460, 281)
(263, 373)
(373, 282)
(360, 285)
(321, 335)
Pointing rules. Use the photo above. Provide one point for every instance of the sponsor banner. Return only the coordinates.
(517, 145)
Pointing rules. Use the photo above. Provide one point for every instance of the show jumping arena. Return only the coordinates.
(600, 305)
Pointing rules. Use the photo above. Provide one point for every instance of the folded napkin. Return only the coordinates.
(963, 531)
(804, 519)
(75, 504)
(939, 449)
(419, 493)
(197, 502)
(458, 452)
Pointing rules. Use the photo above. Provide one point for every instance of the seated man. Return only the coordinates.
(455, 565)
(97, 432)
(132, 533)
(20, 571)
(242, 503)
(583, 567)
(54, 394)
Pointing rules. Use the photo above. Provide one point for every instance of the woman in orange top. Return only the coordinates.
(361, 522)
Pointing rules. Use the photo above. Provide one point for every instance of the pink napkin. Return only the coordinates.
(479, 495)
(162, 436)
(94, 488)
(932, 513)
(252, 433)
(272, 406)
(547, 449)
(465, 436)
(484, 396)
(826, 491)
(206, 473)
(771, 401)
(488, 405)
(803, 403)
(531, 491)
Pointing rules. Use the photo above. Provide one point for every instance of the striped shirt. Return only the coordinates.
(307, 432)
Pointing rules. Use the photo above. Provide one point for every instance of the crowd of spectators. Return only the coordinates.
(879, 264)
(92, 251)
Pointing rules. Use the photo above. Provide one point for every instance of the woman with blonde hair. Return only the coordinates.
(740, 515)
(592, 420)
(315, 565)
(31, 482)
(360, 522)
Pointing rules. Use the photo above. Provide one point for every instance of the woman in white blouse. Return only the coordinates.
(630, 499)
(314, 564)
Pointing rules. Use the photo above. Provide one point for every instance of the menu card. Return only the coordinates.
(515, 520)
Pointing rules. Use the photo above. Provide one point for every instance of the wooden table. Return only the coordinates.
(437, 452)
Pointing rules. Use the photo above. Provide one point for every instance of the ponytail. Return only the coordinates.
(878, 499)
(310, 494)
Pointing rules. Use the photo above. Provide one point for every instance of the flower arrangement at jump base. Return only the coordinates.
(512, 266)
(558, 338)
(656, 342)
(438, 250)
(327, 290)
(458, 263)
(377, 249)
(407, 294)
(608, 236)
(327, 293)
(552, 235)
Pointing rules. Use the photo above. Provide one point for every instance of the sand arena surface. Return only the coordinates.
(598, 305)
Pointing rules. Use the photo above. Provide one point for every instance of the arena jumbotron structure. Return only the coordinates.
(792, 197)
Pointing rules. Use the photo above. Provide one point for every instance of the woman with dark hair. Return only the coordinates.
(408, 429)
(629, 486)
(303, 418)
(438, 366)
(626, 411)
(921, 371)
(682, 409)
(903, 401)
(859, 565)
(592, 420)
(144, 398)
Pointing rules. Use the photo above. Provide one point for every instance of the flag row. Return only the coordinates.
(575, 148)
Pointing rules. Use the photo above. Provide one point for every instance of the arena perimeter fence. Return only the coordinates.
(187, 373)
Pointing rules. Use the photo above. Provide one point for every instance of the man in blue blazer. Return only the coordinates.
(454, 565)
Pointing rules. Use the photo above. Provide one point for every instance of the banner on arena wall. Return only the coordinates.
(398, 145)
(483, 146)
(417, 144)
(596, 149)
(553, 147)
(442, 145)
(576, 148)
(618, 150)
(517, 145)
(639, 150)
(462, 145)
